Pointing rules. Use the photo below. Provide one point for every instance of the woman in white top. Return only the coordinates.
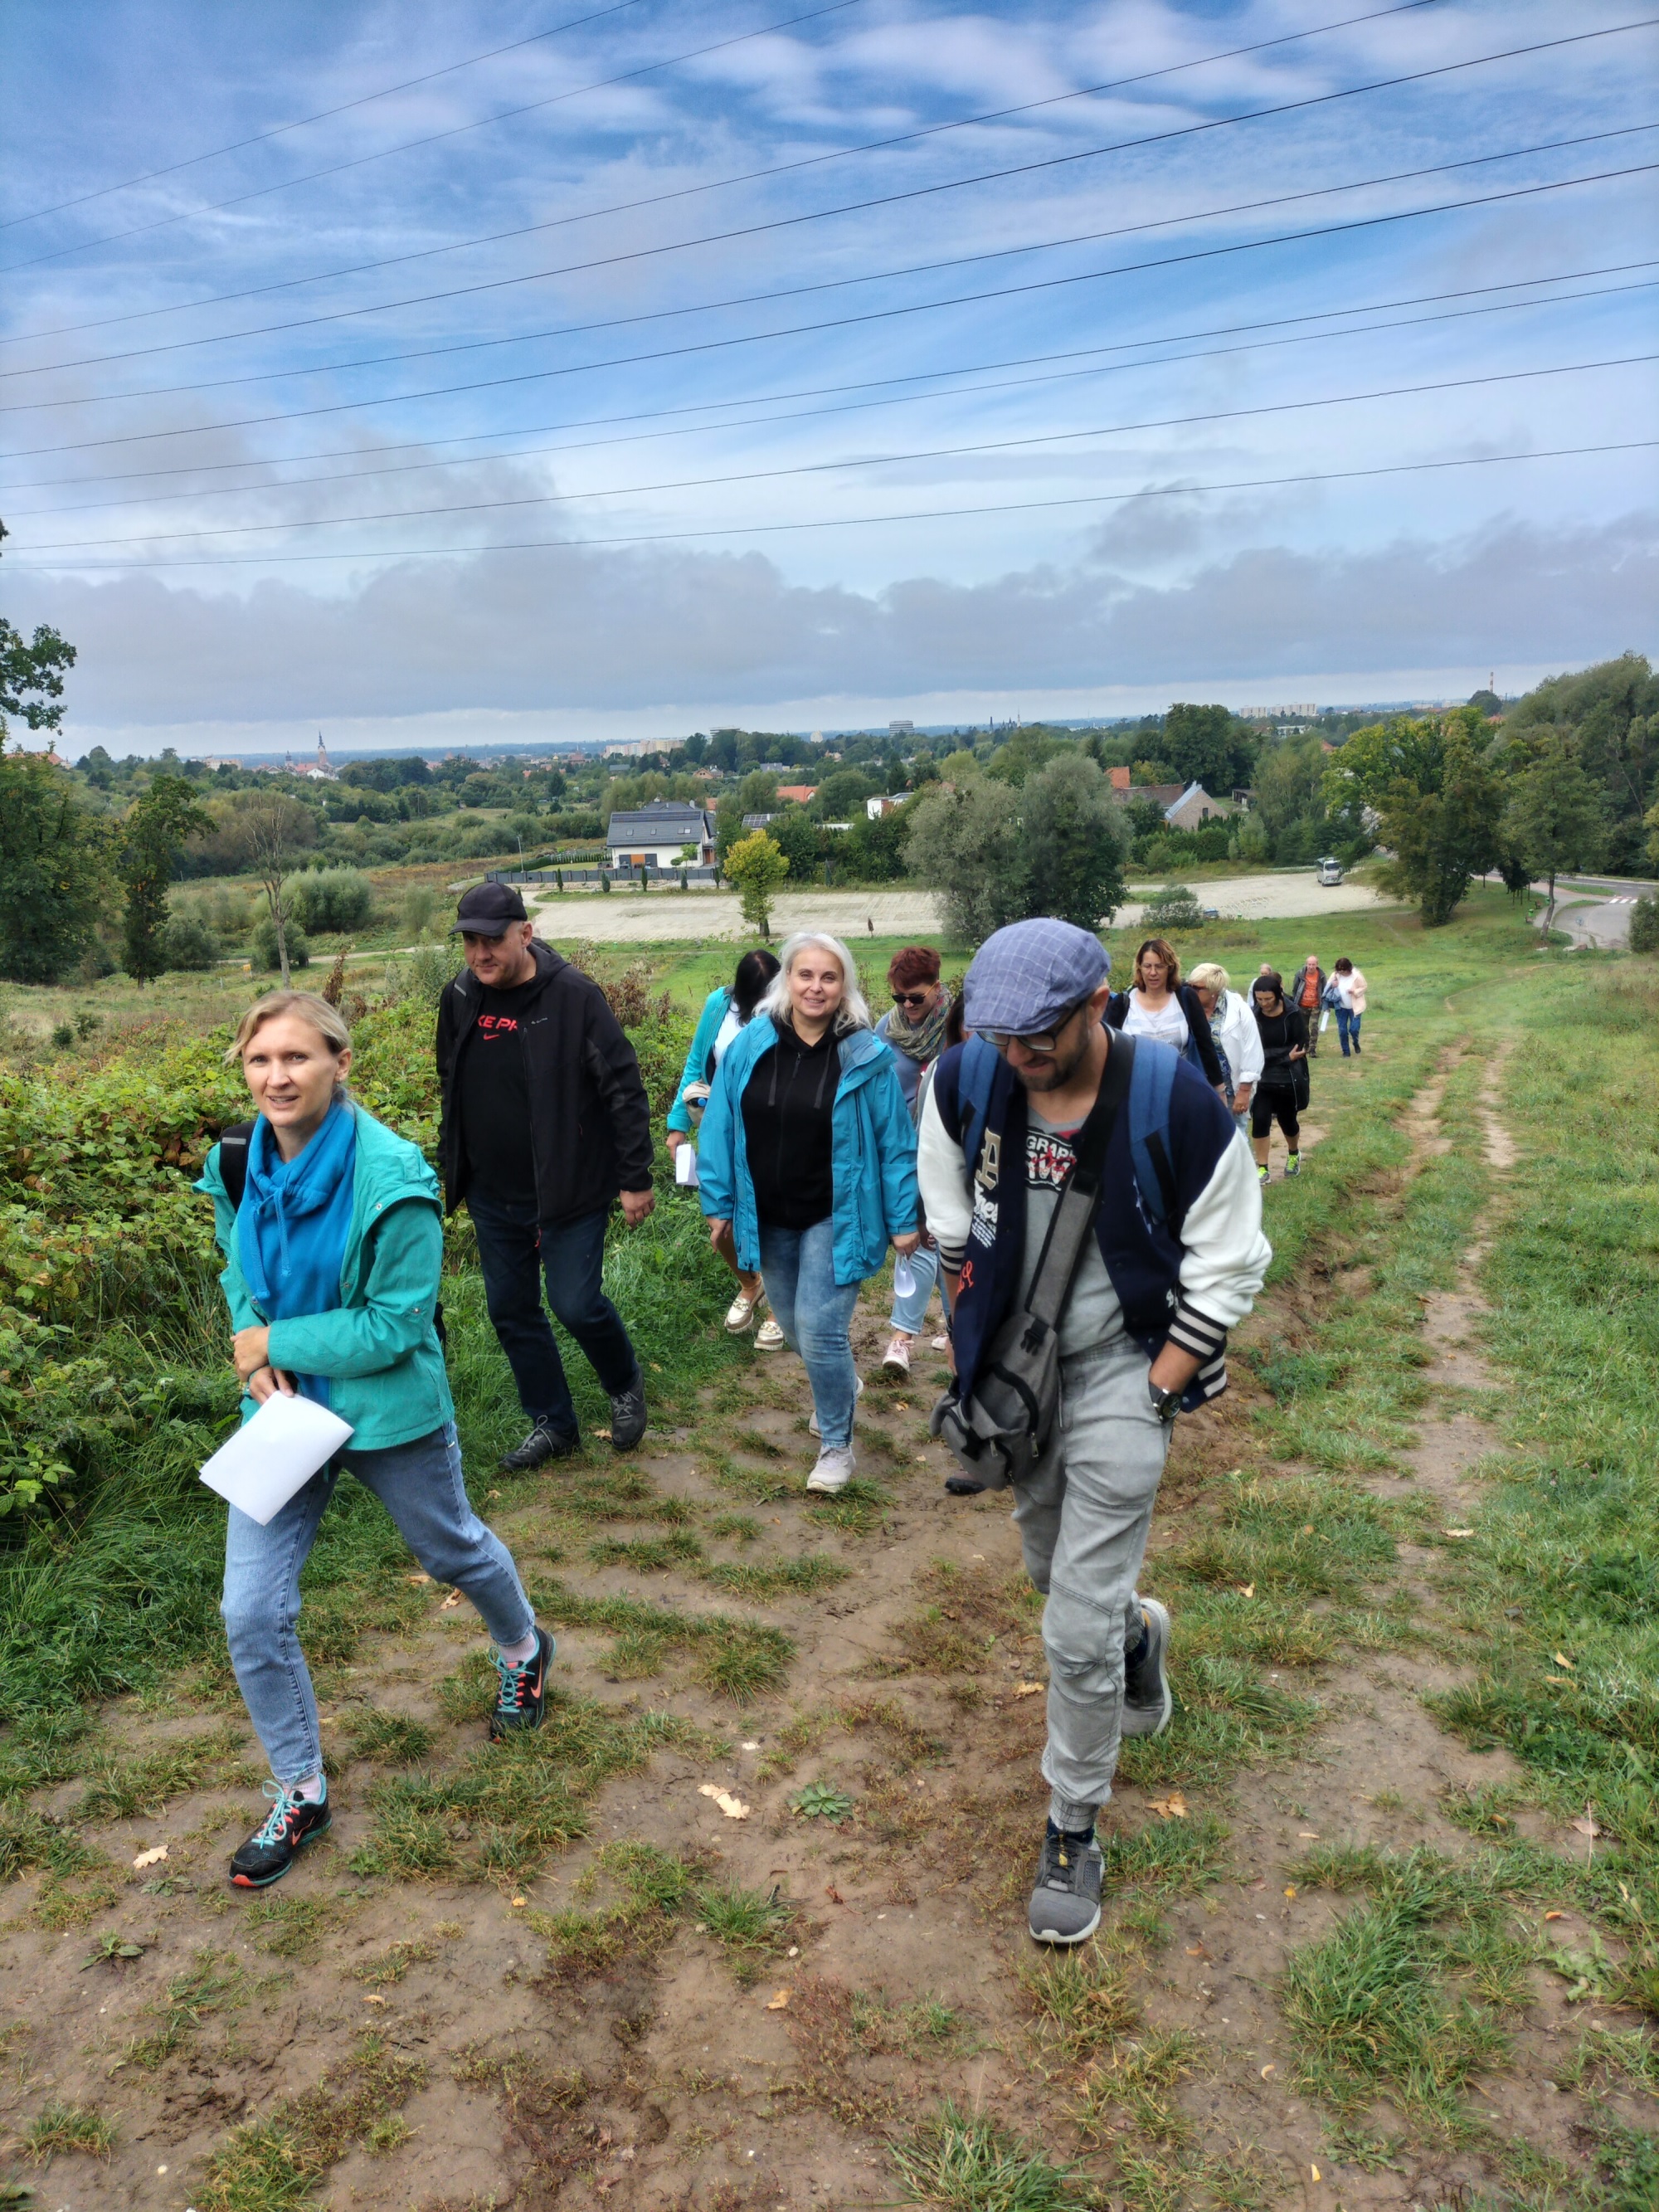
(1160, 1006)
(1238, 1039)
(1349, 984)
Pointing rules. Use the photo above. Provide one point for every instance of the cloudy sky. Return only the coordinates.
(507, 369)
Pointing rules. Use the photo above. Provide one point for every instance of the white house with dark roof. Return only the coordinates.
(657, 836)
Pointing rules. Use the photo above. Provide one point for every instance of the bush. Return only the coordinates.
(1644, 926)
(264, 945)
(187, 943)
(330, 901)
(1175, 907)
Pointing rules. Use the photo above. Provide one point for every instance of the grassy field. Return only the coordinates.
(1408, 1988)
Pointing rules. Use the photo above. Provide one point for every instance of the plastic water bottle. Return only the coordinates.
(904, 1281)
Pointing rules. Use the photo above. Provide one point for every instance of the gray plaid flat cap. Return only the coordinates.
(1024, 977)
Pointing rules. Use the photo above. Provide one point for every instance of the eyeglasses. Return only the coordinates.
(1044, 1043)
(912, 998)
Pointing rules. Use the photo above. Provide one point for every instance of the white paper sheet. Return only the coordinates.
(274, 1453)
(685, 1166)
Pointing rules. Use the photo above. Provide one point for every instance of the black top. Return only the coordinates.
(588, 1118)
(494, 1096)
(787, 1104)
(1279, 1033)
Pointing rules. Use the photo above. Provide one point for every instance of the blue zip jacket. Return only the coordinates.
(696, 1069)
(873, 1152)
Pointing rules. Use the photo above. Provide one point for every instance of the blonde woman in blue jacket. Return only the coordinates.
(807, 1159)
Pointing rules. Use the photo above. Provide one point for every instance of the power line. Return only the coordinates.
(716, 184)
(323, 115)
(897, 399)
(882, 314)
(850, 207)
(868, 460)
(858, 521)
(456, 131)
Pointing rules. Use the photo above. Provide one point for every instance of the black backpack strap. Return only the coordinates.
(1079, 1200)
(233, 1160)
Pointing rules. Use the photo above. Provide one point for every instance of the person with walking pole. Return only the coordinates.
(1102, 1229)
(544, 1126)
(331, 1231)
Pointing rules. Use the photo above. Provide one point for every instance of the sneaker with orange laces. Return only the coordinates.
(521, 1699)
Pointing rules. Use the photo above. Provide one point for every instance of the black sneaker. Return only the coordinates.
(1066, 1903)
(542, 1444)
(269, 1853)
(1147, 1702)
(628, 1414)
(522, 1699)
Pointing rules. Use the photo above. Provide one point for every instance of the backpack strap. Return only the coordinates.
(233, 1160)
(1152, 1081)
(1079, 1199)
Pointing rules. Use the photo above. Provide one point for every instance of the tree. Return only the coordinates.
(1556, 817)
(796, 836)
(31, 676)
(52, 871)
(275, 826)
(757, 866)
(1202, 745)
(153, 833)
(1075, 838)
(966, 845)
(1437, 801)
(1611, 711)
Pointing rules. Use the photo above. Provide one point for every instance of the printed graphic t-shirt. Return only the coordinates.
(1091, 1315)
(494, 1091)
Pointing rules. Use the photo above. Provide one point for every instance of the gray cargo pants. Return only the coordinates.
(1083, 1519)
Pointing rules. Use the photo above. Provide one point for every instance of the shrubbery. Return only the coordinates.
(186, 943)
(328, 902)
(1644, 926)
(265, 954)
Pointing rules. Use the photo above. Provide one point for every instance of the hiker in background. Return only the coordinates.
(1307, 995)
(333, 1243)
(1142, 1332)
(914, 1033)
(1349, 988)
(545, 1124)
(1281, 1089)
(808, 1160)
(1238, 1040)
(1159, 1005)
(725, 1012)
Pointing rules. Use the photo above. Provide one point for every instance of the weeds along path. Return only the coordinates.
(733, 1929)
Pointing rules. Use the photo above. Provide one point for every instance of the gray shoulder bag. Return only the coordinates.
(998, 1434)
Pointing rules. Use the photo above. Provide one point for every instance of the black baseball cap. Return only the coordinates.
(488, 910)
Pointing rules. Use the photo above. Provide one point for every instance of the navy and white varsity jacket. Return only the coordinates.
(1191, 1276)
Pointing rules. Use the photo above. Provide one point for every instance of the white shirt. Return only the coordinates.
(1168, 1025)
(1241, 1040)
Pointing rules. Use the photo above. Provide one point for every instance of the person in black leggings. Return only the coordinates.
(1282, 1085)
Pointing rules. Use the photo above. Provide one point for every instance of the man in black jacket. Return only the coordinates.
(545, 1122)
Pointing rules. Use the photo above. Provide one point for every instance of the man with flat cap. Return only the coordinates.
(545, 1125)
(1171, 1258)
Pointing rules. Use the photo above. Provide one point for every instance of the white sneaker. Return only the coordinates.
(941, 1344)
(896, 1360)
(741, 1311)
(858, 1392)
(769, 1336)
(834, 1470)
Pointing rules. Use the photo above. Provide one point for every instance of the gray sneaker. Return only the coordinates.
(1066, 1903)
(1148, 1703)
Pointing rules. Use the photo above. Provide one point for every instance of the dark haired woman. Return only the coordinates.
(1158, 1005)
(1281, 1088)
(726, 1011)
(1349, 984)
(915, 1032)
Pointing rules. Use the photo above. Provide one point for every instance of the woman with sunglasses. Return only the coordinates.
(1281, 1089)
(1159, 1005)
(808, 1161)
(915, 1033)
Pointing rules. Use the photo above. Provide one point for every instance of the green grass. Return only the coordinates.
(970, 2163)
(271, 2165)
(58, 2127)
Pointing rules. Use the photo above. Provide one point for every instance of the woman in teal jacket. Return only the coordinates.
(724, 1013)
(807, 1160)
(332, 1265)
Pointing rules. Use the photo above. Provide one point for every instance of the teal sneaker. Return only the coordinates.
(270, 1852)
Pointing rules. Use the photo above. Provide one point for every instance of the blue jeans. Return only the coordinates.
(814, 1311)
(909, 1314)
(514, 1253)
(1347, 1025)
(422, 1486)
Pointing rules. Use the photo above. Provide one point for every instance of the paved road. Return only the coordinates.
(669, 916)
(1596, 909)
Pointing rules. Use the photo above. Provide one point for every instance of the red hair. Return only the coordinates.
(913, 965)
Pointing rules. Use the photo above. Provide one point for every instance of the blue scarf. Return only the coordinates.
(292, 1225)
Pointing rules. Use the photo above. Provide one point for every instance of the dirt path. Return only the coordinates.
(690, 2006)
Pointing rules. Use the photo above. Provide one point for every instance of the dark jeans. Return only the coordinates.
(514, 1253)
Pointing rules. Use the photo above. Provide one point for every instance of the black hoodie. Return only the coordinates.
(589, 1121)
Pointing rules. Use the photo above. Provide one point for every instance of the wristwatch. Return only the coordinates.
(1166, 1404)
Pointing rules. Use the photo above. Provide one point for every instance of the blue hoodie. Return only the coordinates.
(873, 1152)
